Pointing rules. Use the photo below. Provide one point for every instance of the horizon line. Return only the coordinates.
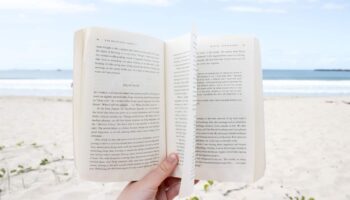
(263, 68)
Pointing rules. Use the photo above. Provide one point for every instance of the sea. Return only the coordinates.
(275, 82)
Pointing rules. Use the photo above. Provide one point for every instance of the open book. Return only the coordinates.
(137, 99)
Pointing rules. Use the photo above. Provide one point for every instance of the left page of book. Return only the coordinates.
(119, 128)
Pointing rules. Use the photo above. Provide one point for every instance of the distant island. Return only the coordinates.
(338, 70)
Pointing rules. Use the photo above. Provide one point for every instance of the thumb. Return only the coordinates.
(154, 178)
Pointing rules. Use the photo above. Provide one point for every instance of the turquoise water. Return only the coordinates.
(275, 83)
(36, 74)
(269, 74)
(305, 75)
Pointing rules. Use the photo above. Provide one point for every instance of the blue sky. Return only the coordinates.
(294, 34)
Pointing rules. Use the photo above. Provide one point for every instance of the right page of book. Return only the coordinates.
(179, 64)
(229, 125)
(181, 86)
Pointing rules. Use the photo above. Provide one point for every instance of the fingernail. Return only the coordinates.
(172, 158)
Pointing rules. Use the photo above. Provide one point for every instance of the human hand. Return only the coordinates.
(156, 184)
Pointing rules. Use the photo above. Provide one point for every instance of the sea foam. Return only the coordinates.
(62, 87)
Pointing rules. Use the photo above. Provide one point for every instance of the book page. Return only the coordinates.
(226, 110)
(120, 128)
(260, 163)
(181, 86)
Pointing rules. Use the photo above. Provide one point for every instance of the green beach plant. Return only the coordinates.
(43, 165)
(35, 145)
(21, 169)
(299, 197)
(19, 143)
(194, 198)
(2, 172)
(44, 161)
(207, 185)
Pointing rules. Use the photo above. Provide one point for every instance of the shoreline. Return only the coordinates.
(265, 96)
(69, 99)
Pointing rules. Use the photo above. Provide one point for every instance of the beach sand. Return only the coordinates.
(307, 149)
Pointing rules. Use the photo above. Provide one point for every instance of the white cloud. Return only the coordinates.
(271, 1)
(252, 9)
(275, 1)
(142, 2)
(263, 1)
(333, 6)
(49, 6)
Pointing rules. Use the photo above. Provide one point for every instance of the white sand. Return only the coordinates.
(307, 146)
